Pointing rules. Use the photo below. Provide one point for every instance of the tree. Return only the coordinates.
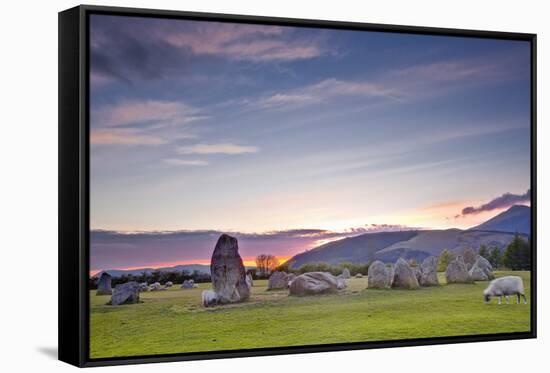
(495, 257)
(266, 263)
(517, 255)
(444, 259)
(483, 251)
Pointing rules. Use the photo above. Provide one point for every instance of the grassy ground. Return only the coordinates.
(173, 321)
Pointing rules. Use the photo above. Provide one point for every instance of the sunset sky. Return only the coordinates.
(289, 137)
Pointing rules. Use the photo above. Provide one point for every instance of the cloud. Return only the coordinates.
(256, 43)
(127, 49)
(324, 91)
(153, 113)
(122, 137)
(231, 149)
(504, 201)
(185, 162)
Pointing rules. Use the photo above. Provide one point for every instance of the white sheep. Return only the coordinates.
(505, 286)
(209, 298)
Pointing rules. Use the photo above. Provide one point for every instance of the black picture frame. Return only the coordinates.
(74, 201)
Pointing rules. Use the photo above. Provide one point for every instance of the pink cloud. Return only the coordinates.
(122, 137)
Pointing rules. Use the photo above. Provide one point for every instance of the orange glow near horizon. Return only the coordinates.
(247, 261)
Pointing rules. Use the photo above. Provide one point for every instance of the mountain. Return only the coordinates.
(205, 268)
(389, 246)
(516, 219)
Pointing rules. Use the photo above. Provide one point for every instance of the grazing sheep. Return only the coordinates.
(209, 298)
(505, 286)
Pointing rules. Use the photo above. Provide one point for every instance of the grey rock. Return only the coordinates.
(228, 272)
(127, 293)
(404, 277)
(143, 287)
(156, 286)
(188, 284)
(428, 272)
(359, 275)
(277, 280)
(345, 273)
(104, 285)
(314, 283)
(169, 284)
(249, 280)
(457, 273)
(379, 276)
(482, 270)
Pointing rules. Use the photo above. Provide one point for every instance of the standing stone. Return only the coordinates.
(249, 280)
(456, 272)
(482, 270)
(104, 285)
(314, 283)
(359, 275)
(169, 284)
(345, 273)
(428, 272)
(277, 280)
(378, 275)
(228, 272)
(143, 287)
(127, 293)
(404, 277)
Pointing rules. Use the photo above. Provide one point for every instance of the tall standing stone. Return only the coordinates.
(428, 272)
(104, 285)
(228, 272)
(404, 277)
(457, 273)
(378, 275)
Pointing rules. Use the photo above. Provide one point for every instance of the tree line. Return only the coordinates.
(516, 256)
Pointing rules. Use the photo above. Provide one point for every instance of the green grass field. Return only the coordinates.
(174, 321)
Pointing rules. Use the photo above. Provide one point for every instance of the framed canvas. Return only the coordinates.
(234, 186)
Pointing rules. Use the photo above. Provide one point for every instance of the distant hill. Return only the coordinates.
(183, 267)
(516, 219)
(389, 246)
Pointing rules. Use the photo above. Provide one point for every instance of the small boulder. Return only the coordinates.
(379, 276)
(104, 285)
(169, 284)
(127, 293)
(314, 283)
(404, 277)
(228, 272)
(428, 272)
(359, 275)
(143, 287)
(456, 272)
(188, 284)
(277, 280)
(156, 286)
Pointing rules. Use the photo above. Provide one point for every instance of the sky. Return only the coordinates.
(288, 137)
